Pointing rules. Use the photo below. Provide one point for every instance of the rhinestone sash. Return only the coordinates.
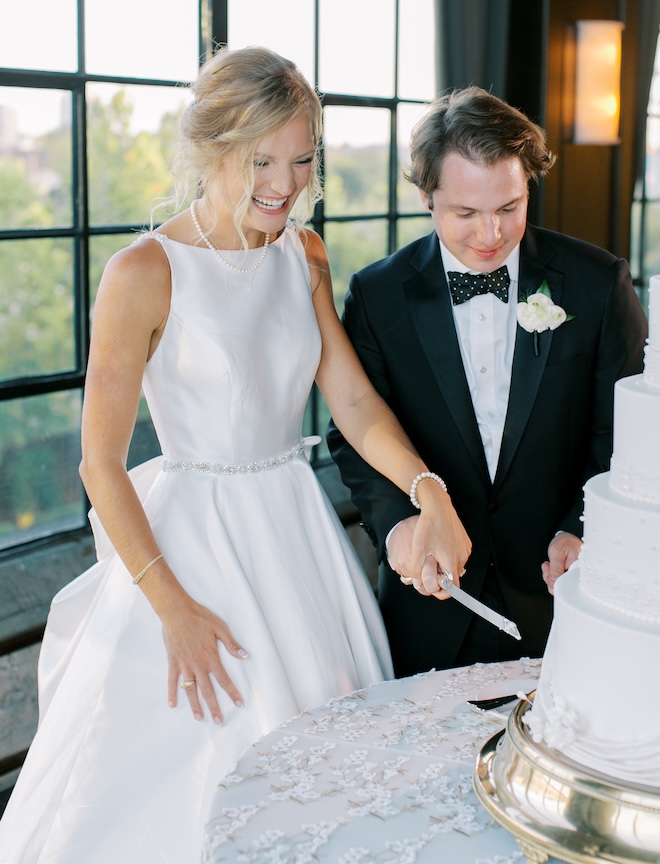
(229, 470)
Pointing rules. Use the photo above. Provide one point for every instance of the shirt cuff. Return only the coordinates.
(387, 543)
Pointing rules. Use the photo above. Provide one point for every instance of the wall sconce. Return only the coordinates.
(597, 82)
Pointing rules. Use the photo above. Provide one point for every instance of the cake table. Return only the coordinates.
(382, 775)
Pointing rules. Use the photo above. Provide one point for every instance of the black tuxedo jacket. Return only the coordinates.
(557, 434)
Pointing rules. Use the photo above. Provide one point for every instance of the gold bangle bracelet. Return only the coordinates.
(144, 569)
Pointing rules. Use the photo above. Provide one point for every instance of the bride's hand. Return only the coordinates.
(191, 637)
(439, 543)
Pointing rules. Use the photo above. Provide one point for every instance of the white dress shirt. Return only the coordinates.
(486, 330)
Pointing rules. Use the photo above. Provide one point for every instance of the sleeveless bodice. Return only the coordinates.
(230, 379)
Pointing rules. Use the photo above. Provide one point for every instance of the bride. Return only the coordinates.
(226, 597)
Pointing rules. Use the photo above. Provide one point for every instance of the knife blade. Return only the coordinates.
(479, 608)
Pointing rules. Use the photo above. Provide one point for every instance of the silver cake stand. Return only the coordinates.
(554, 807)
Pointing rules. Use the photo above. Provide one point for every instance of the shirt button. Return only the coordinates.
(483, 369)
(482, 317)
(491, 414)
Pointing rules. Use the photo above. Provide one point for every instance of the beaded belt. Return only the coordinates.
(227, 470)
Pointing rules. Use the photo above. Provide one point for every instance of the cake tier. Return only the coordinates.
(597, 700)
(620, 557)
(635, 469)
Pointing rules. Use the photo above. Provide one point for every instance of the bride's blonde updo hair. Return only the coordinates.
(239, 97)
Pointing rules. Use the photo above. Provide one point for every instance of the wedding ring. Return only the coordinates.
(187, 684)
(463, 572)
(406, 580)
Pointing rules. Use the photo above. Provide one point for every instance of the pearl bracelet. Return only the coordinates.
(144, 569)
(425, 475)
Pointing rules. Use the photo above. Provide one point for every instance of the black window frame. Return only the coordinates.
(214, 29)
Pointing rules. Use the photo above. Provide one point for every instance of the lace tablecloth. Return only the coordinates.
(382, 775)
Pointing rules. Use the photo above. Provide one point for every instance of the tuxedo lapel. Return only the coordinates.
(429, 306)
(528, 367)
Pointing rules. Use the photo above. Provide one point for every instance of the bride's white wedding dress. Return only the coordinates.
(114, 774)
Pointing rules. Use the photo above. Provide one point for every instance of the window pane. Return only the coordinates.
(654, 98)
(635, 238)
(412, 229)
(356, 53)
(144, 39)
(408, 200)
(321, 451)
(416, 49)
(131, 134)
(356, 160)
(41, 34)
(653, 158)
(286, 26)
(40, 491)
(651, 245)
(35, 158)
(351, 246)
(36, 307)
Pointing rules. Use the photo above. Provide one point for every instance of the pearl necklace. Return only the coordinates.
(216, 251)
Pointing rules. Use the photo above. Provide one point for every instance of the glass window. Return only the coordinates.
(356, 47)
(145, 39)
(416, 77)
(68, 202)
(35, 158)
(131, 134)
(407, 116)
(356, 149)
(286, 26)
(36, 307)
(412, 229)
(653, 157)
(57, 48)
(651, 257)
(351, 246)
(645, 215)
(40, 491)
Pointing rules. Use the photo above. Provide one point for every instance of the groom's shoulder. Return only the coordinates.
(543, 240)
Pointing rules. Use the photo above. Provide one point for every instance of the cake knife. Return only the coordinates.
(480, 608)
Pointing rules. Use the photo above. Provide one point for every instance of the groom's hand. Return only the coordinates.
(562, 552)
(399, 547)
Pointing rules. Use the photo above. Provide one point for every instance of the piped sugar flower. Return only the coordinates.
(537, 313)
(558, 730)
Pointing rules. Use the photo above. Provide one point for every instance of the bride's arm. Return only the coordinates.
(129, 317)
(373, 431)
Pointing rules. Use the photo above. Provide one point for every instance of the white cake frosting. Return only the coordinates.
(598, 699)
(620, 557)
(635, 468)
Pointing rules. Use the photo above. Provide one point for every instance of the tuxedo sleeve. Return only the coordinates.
(620, 353)
(380, 502)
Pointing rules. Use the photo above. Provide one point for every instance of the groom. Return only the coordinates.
(511, 405)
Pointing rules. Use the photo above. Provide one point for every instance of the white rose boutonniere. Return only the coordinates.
(537, 313)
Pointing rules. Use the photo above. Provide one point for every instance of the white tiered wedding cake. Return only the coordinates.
(598, 698)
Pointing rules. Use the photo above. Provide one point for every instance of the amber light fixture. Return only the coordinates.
(597, 82)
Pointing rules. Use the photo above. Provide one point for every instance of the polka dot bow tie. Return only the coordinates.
(465, 286)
